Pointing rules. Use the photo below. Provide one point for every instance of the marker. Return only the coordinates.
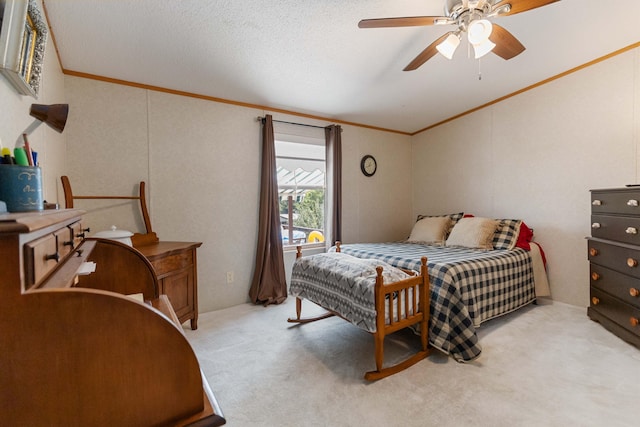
(21, 156)
(6, 155)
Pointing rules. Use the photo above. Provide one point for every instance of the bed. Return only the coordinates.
(479, 269)
(372, 294)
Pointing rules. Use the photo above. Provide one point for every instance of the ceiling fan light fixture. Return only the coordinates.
(471, 17)
(479, 31)
(483, 48)
(448, 47)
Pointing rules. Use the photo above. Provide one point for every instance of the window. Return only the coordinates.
(300, 162)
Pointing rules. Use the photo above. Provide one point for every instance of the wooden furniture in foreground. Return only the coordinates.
(395, 310)
(76, 356)
(614, 254)
(175, 264)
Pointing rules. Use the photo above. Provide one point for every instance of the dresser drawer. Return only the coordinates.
(172, 263)
(625, 315)
(618, 228)
(623, 202)
(624, 287)
(618, 257)
(40, 257)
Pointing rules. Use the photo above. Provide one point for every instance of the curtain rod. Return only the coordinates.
(261, 119)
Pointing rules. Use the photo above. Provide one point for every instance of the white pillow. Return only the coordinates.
(430, 230)
(476, 232)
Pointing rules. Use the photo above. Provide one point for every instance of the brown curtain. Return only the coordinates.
(269, 285)
(334, 183)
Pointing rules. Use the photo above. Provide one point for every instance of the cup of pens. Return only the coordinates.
(21, 188)
(21, 180)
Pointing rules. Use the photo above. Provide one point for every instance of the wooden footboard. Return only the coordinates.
(396, 308)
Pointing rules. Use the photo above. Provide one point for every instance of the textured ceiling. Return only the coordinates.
(310, 57)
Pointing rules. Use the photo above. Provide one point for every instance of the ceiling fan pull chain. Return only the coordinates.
(479, 70)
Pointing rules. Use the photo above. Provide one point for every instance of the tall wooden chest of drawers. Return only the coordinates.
(614, 256)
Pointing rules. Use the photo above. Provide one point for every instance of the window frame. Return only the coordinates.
(310, 137)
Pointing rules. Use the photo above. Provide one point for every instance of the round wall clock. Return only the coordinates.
(368, 165)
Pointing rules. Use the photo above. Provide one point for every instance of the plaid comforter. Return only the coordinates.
(468, 287)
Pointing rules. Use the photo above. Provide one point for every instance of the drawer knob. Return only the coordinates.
(631, 230)
(632, 262)
(593, 251)
(595, 225)
(55, 257)
(80, 235)
(634, 292)
(632, 202)
(595, 301)
(596, 202)
(634, 321)
(595, 276)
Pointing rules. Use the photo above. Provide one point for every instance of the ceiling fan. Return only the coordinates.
(470, 17)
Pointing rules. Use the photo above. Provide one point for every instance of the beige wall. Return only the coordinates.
(201, 162)
(15, 118)
(535, 156)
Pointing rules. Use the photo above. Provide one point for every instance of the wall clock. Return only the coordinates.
(368, 165)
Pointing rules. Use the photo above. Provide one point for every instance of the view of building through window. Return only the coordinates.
(301, 188)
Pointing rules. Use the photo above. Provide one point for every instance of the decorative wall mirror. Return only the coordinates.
(23, 37)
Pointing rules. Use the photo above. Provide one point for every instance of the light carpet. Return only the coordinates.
(544, 365)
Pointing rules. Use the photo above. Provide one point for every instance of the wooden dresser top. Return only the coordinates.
(26, 222)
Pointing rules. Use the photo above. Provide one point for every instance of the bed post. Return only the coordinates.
(298, 300)
(425, 304)
(378, 336)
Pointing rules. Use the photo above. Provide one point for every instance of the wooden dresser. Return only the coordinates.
(176, 265)
(614, 255)
(75, 350)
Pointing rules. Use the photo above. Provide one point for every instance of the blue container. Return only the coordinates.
(21, 188)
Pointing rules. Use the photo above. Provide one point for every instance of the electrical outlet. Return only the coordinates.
(229, 276)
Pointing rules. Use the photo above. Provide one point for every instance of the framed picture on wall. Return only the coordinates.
(23, 37)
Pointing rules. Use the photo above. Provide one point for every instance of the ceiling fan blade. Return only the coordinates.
(507, 46)
(426, 54)
(414, 21)
(518, 6)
